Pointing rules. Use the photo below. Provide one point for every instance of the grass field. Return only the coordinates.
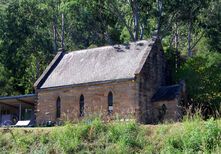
(190, 136)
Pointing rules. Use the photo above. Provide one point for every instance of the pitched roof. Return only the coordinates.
(165, 93)
(99, 64)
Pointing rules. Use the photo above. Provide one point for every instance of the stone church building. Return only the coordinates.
(127, 81)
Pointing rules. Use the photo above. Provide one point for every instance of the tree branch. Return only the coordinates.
(193, 46)
(116, 12)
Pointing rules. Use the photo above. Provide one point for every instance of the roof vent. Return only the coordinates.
(118, 48)
(140, 44)
(127, 46)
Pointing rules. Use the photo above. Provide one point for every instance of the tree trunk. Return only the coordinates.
(37, 68)
(55, 33)
(116, 11)
(62, 35)
(101, 16)
(134, 6)
(160, 7)
(177, 47)
(141, 31)
(189, 36)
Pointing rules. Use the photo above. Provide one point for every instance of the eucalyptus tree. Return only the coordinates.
(26, 42)
(186, 14)
(211, 23)
(88, 23)
(134, 16)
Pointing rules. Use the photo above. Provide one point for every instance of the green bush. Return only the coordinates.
(202, 74)
(126, 136)
(195, 136)
(94, 136)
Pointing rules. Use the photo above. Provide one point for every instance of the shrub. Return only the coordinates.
(202, 74)
(94, 136)
(195, 136)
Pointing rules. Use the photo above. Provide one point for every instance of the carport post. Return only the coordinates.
(0, 113)
(19, 111)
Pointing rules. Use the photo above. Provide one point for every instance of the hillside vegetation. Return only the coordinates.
(191, 136)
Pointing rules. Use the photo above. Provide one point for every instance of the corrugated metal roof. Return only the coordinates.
(99, 64)
(27, 99)
(18, 96)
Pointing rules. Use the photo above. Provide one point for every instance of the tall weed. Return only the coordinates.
(94, 136)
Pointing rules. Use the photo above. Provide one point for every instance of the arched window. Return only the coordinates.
(81, 105)
(110, 102)
(58, 107)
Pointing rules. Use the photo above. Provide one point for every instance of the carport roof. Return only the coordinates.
(28, 99)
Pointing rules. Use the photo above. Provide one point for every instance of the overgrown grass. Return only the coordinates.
(190, 136)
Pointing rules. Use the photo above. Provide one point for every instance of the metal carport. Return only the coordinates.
(14, 108)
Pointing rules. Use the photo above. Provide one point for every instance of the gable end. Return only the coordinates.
(48, 70)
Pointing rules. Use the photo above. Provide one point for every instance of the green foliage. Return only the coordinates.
(5, 81)
(126, 136)
(125, 36)
(196, 136)
(202, 74)
(25, 39)
(88, 22)
(212, 29)
(191, 136)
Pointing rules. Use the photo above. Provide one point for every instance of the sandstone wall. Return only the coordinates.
(152, 76)
(125, 102)
(172, 110)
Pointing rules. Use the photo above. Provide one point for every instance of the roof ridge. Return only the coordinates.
(108, 46)
(88, 49)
